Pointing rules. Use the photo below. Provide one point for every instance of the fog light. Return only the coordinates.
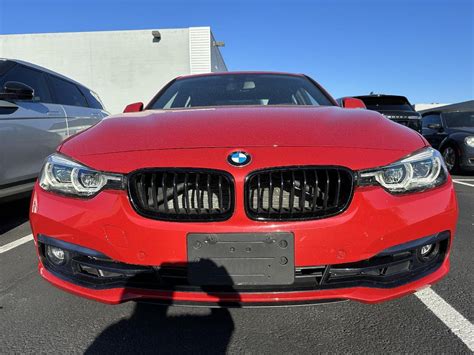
(56, 255)
(426, 249)
(428, 252)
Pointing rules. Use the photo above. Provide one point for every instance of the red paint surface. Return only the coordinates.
(135, 107)
(273, 136)
(352, 102)
(244, 127)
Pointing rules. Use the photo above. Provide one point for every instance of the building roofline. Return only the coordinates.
(101, 31)
(459, 106)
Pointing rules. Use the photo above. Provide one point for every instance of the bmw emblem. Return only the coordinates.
(238, 158)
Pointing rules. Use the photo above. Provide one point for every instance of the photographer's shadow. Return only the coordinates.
(151, 329)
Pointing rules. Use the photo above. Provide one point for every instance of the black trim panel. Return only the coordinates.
(70, 246)
(382, 271)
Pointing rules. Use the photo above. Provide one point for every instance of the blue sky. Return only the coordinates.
(423, 49)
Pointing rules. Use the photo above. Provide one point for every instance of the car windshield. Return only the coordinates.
(459, 119)
(387, 103)
(241, 89)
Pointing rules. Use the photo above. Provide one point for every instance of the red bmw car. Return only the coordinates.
(244, 189)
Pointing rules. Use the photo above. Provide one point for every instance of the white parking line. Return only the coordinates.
(462, 182)
(16, 243)
(449, 316)
(457, 179)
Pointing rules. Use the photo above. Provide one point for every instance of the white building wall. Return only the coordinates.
(121, 66)
(205, 57)
(421, 107)
(200, 50)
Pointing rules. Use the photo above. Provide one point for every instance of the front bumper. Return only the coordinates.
(391, 269)
(224, 299)
(375, 221)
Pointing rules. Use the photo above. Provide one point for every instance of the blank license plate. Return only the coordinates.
(241, 259)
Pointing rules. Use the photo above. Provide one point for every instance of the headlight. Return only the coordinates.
(63, 175)
(469, 141)
(420, 171)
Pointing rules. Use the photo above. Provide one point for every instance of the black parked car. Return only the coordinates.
(394, 107)
(452, 133)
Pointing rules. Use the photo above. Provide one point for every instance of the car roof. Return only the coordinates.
(43, 69)
(238, 73)
(379, 95)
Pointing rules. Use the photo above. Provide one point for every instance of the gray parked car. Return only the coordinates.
(38, 110)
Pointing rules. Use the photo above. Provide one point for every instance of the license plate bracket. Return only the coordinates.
(241, 259)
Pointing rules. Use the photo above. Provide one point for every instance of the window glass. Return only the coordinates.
(5, 65)
(381, 103)
(459, 119)
(431, 119)
(92, 98)
(171, 100)
(30, 77)
(67, 93)
(241, 89)
(306, 96)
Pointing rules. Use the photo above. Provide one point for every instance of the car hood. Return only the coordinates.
(240, 127)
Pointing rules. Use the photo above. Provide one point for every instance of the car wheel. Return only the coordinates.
(451, 158)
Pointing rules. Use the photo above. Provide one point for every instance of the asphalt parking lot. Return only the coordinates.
(35, 316)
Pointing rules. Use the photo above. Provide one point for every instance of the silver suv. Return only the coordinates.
(38, 110)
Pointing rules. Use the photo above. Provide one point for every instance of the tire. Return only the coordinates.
(451, 158)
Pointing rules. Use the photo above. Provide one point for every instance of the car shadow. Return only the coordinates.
(13, 213)
(155, 328)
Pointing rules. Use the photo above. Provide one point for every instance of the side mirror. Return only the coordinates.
(17, 90)
(434, 126)
(135, 107)
(352, 102)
